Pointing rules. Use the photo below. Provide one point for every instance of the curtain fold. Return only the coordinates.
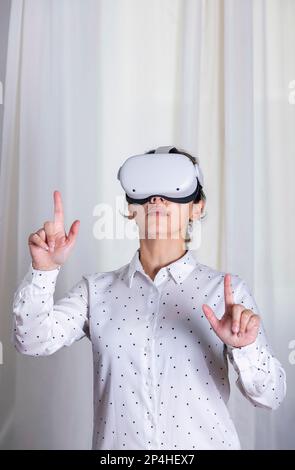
(274, 197)
(9, 224)
(90, 82)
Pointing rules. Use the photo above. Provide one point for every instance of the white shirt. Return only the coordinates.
(160, 371)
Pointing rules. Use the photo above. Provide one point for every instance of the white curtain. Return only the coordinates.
(88, 83)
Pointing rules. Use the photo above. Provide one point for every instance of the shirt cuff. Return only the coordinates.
(245, 356)
(46, 280)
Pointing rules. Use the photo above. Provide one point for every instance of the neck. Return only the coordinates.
(154, 254)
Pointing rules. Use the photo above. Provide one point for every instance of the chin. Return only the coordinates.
(158, 234)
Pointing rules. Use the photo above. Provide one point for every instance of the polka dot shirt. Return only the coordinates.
(160, 371)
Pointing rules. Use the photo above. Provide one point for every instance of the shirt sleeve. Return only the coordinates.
(261, 377)
(40, 326)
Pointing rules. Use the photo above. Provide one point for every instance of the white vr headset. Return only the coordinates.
(170, 175)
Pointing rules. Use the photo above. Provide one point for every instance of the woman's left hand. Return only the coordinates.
(238, 326)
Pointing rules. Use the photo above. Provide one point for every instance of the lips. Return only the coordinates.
(157, 210)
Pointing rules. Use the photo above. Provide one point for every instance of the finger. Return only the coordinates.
(58, 208)
(73, 232)
(41, 233)
(236, 316)
(211, 317)
(253, 323)
(228, 295)
(245, 317)
(50, 234)
(35, 239)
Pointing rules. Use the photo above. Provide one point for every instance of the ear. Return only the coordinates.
(196, 209)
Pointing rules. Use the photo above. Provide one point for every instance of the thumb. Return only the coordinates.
(73, 232)
(211, 317)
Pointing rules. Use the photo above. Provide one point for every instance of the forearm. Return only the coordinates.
(261, 377)
(40, 326)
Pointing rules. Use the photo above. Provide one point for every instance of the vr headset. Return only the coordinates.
(172, 176)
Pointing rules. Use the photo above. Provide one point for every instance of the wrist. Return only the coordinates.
(39, 267)
(244, 349)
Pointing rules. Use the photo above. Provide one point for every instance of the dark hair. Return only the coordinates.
(200, 194)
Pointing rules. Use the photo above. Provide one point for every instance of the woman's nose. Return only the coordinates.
(156, 199)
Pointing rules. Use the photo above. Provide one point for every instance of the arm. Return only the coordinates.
(40, 326)
(261, 377)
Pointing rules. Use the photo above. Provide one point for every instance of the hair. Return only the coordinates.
(200, 196)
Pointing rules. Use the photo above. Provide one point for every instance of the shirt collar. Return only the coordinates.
(179, 269)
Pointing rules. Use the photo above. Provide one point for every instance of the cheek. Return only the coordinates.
(179, 216)
(139, 211)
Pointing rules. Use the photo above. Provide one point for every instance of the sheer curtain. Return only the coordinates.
(89, 83)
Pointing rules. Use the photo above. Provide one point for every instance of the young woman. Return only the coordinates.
(162, 329)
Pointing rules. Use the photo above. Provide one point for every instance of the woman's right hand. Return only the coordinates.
(50, 246)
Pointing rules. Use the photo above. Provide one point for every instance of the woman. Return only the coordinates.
(161, 327)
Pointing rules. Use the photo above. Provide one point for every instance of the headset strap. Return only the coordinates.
(164, 149)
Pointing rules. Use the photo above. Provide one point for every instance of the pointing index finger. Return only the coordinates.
(58, 208)
(228, 295)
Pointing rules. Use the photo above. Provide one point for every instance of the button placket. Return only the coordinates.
(157, 297)
(149, 353)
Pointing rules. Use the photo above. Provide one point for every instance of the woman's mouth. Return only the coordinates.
(157, 211)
